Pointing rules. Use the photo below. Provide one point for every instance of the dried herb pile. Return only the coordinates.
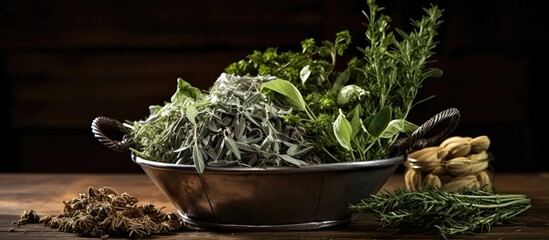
(102, 212)
(297, 107)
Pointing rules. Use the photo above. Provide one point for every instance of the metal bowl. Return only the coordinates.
(274, 198)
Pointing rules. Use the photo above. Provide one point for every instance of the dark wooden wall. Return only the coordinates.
(63, 63)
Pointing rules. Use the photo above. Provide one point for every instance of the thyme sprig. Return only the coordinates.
(433, 209)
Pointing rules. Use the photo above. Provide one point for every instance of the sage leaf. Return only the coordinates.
(231, 144)
(198, 159)
(292, 149)
(191, 113)
(212, 126)
(288, 90)
(239, 126)
(253, 99)
(303, 151)
(292, 160)
(343, 131)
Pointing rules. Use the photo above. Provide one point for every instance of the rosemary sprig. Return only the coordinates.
(436, 210)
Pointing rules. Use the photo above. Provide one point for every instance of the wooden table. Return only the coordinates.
(44, 193)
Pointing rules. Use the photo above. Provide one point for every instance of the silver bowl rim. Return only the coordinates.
(340, 166)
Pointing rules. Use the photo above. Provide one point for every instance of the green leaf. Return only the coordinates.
(342, 79)
(398, 126)
(304, 74)
(185, 91)
(343, 131)
(198, 159)
(379, 122)
(356, 122)
(287, 89)
(349, 93)
(191, 113)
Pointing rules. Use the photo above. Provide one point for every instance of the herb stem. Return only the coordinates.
(330, 154)
(527, 201)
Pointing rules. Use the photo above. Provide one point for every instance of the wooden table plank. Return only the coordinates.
(44, 193)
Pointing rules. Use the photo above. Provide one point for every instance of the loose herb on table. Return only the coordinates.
(433, 209)
(103, 213)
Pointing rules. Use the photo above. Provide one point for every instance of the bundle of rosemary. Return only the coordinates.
(432, 209)
(293, 108)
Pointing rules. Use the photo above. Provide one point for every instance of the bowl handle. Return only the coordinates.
(118, 146)
(431, 132)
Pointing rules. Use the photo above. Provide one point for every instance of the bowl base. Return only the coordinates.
(193, 224)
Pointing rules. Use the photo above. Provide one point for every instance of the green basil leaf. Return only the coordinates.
(350, 92)
(343, 131)
(356, 122)
(287, 89)
(379, 122)
(304, 74)
(185, 91)
(398, 126)
(342, 79)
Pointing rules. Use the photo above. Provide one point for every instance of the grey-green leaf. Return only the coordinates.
(292, 160)
(191, 113)
(198, 159)
(233, 147)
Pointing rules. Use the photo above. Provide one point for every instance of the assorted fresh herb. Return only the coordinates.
(373, 94)
(324, 115)
(436, 210)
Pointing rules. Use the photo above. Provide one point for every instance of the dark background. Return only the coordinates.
(63, 63)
